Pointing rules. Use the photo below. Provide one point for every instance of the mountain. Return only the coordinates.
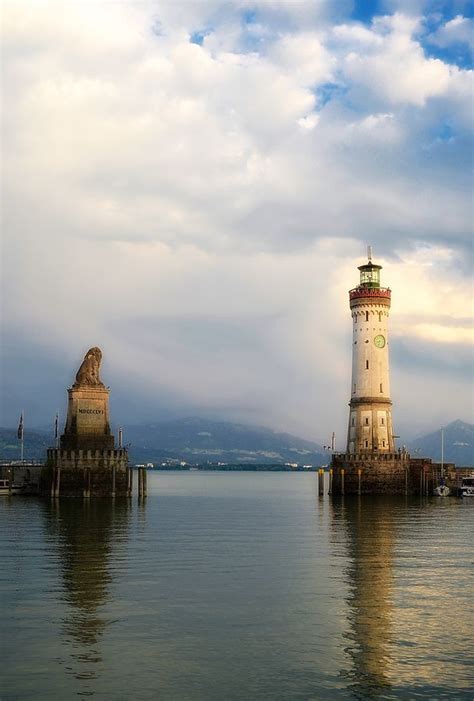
(200, 440)
(458, 444)
(191, 440)
(35, 444)
(197, 440)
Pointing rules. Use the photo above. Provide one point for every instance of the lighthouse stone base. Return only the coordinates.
(372, 473)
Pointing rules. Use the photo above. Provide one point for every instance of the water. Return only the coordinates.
(237, 586)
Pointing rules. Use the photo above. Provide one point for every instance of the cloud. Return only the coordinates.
(459, 30)
(190, 186)
(392, 64)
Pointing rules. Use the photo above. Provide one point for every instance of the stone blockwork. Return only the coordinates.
(87, 424)
(387, 473)
(394, 473)
(86, 473)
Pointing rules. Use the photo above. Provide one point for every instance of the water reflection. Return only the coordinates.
(89, 537)
(368, 531)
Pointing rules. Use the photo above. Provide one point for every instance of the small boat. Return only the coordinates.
(467, 486)
(442, 489)
(13, 488)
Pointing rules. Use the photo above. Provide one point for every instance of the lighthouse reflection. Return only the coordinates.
(368, 532)
(90, 537)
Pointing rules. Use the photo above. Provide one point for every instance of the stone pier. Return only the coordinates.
(390, 473)
(386, 473)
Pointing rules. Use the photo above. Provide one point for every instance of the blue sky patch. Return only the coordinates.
(249, 17)
(199, 36)
(365, 10)
(328, 91)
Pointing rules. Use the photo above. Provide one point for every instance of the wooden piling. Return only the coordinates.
(113, 481)
(140, 482)
(406, 481)
(330, 481)
(53, 482)
(58, 482)
(321, 481)
(144, 477)
(343, 472)
(359, 475)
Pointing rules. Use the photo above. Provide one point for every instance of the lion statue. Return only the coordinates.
(88, 373)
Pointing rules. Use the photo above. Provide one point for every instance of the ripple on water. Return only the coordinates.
(237, 586)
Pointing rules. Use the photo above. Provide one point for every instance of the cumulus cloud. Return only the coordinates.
(392, 64)
(191, 185)
(459, 30)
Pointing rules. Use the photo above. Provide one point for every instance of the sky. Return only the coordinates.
(192, 185)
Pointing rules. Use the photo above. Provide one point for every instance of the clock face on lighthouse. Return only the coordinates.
(379, 341)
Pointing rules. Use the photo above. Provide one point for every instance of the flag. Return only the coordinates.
(56, 425)
(20, 428)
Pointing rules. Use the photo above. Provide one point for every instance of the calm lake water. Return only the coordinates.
(237, 586)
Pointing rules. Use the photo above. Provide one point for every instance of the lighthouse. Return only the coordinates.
(370, 416)
(371, 463)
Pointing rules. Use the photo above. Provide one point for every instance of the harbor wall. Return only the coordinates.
(86, 473)
(391, 473)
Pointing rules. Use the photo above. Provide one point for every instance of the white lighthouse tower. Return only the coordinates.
(370, 416)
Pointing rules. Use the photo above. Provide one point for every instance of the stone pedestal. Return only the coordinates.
(87, 425)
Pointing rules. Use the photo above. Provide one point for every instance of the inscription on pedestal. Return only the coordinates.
(91, 415)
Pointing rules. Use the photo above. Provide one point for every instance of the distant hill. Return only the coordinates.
(35, 444)
(191, 440)
(458, 444)
(199, 440)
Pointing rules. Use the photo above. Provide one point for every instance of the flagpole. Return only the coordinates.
(22, 433)
(56, 431)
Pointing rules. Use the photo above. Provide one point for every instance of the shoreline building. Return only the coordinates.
(371, 463)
